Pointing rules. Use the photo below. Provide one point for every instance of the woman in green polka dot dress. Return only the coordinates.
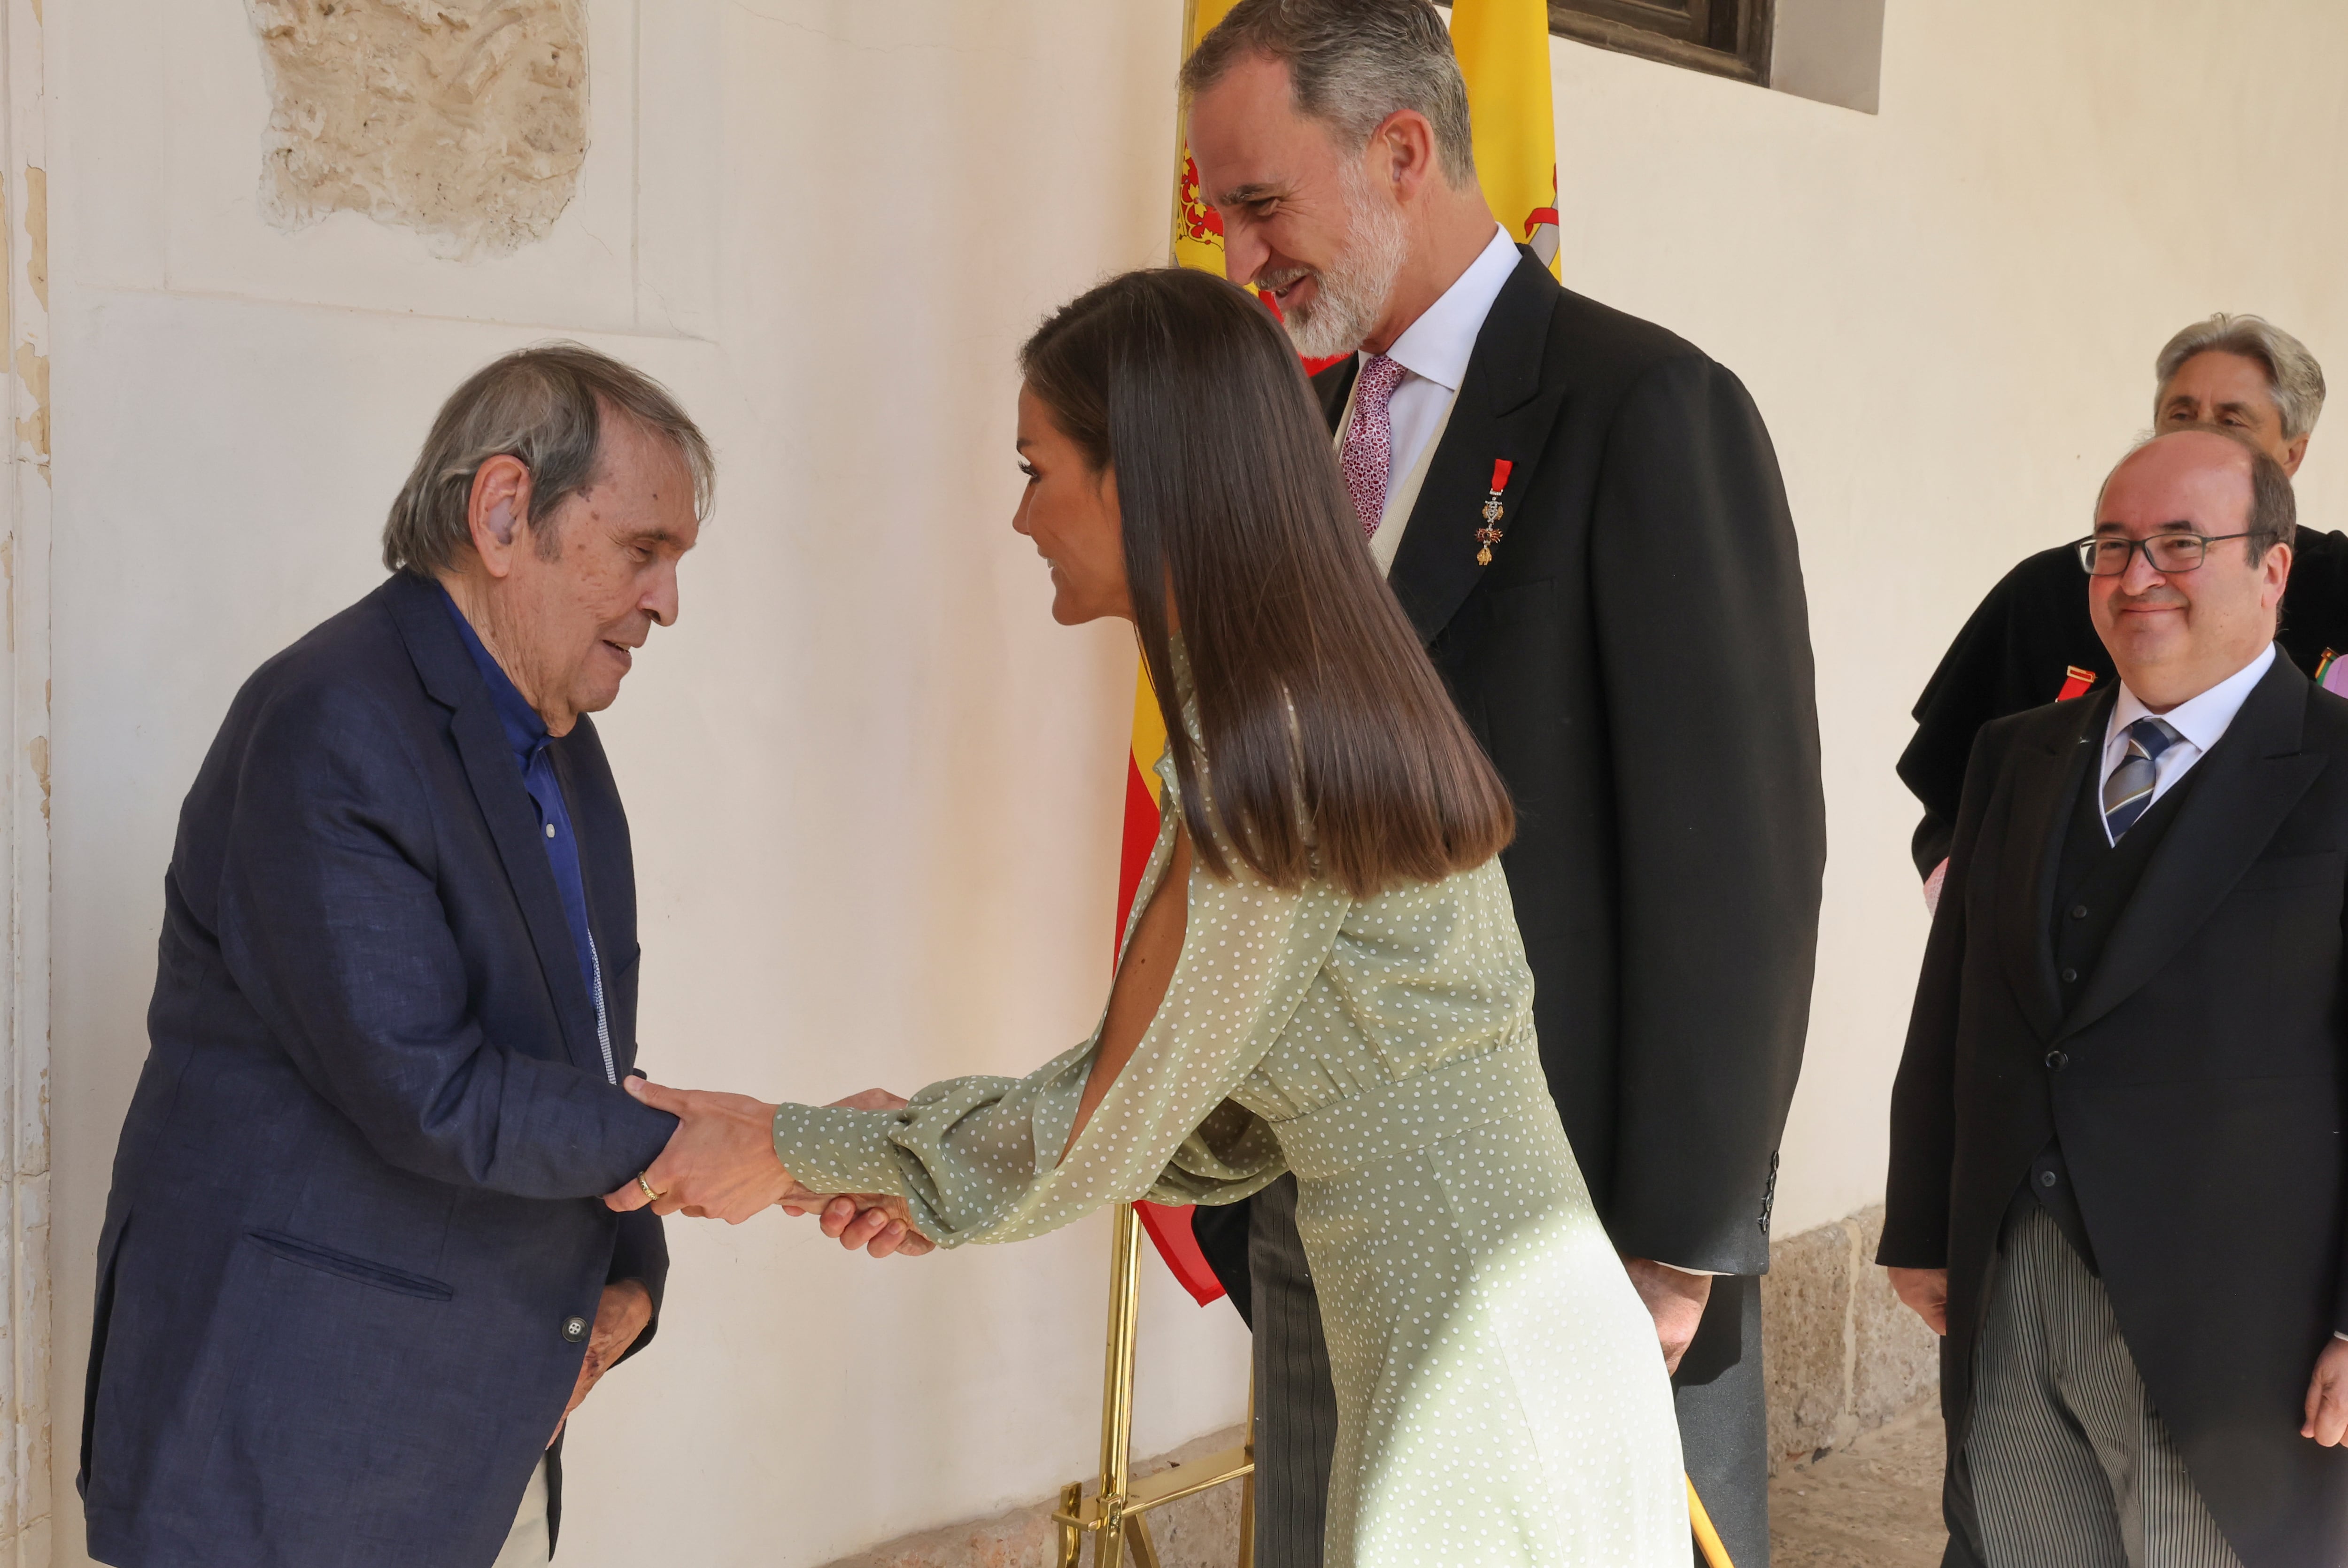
(1322, 974)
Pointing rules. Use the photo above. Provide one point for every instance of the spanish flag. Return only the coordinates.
(1503, 49)
(1197, 243)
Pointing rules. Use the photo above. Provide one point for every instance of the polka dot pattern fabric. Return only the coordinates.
(1501, 1397)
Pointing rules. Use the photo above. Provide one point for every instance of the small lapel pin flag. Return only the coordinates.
(1492, 532)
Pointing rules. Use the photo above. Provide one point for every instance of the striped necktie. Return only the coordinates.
(2127, 793)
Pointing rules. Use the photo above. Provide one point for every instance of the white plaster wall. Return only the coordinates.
(874, 789)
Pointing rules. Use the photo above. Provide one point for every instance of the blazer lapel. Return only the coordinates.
(1503, 412)
(2046, 787)
(2244, 789)
(451, 680)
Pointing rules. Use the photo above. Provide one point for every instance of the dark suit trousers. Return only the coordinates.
(1718, 1392)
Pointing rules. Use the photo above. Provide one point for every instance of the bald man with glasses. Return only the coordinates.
(2119, 1179)
(2031, 641)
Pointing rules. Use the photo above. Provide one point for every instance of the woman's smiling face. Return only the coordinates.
(1070, 511)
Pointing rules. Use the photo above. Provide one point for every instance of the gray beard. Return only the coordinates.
(1352, 293)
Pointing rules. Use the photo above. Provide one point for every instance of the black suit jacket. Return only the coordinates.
(2196, 1087)
(1636, 660)
(355, 1202)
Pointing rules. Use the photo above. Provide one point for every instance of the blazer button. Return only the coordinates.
(2070, 977)
(2046, 1178)
(2078, 912)
(574, 1330)
(2057, 1060)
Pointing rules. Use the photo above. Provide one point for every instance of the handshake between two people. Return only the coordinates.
(720, 1164)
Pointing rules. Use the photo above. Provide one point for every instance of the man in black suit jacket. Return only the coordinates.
(1584, 518)
(354, 1274)
(2031, 641)
(2117, 1176)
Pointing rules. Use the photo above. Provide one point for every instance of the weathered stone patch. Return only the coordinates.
(463, 120)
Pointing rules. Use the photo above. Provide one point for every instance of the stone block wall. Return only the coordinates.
(1842, 1355)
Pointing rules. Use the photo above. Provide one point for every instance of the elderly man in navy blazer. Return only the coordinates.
(353, 1275)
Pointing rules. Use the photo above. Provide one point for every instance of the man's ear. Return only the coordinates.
(497, 513)
(1403, 153)
(2277, 568)
(2293, 455)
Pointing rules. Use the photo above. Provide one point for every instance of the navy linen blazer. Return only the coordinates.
(355, 1206)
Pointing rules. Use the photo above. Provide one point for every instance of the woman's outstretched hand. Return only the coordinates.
(876, 1223)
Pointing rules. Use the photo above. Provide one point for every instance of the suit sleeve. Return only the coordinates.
(1703, 640)
(330, 921)
(1923, 1095)
(1966, 691)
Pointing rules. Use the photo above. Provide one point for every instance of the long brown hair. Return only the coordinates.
(1329, 734)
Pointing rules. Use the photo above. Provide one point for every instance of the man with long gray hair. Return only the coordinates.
(1584, 518)
(2031, 641)
(353, 1276)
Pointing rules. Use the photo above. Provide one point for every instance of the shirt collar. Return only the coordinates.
(1437, 345)
(2201, 721)
(525, 731)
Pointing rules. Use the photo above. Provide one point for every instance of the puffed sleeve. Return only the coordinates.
(978, 1159)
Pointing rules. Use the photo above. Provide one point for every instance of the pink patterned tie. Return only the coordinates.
(1368, 457)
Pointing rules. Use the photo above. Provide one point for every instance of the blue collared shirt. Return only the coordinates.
(526, 734)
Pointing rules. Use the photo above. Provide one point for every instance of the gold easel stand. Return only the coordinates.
(1112, 1516)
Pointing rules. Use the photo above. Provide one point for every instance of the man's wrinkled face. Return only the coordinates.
(2184, 630)
(2215, 387)
(1303, 219)
(572, 619)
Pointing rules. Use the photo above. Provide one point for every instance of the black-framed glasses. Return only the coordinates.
(2108, 555)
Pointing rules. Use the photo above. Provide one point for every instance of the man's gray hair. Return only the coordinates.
(543, 405)
(1351, 64)
(2293, 378)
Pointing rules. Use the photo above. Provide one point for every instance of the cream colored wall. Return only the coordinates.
(874, 790)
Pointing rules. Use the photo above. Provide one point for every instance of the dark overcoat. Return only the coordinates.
(2196, 1086)
(355, 1216)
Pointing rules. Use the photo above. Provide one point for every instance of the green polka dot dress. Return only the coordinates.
(1500, 1396)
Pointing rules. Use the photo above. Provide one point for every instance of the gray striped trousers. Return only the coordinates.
(2069, 1465)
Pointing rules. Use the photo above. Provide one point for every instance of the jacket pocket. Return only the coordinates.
(325, 1260)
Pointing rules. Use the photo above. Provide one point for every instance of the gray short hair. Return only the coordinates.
(2293, 378)
(1351, 64)
(543, 404)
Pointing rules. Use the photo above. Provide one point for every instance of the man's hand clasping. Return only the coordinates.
(720, 1161)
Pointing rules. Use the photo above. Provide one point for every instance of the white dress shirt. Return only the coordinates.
(2198, 722)
(1432, 352)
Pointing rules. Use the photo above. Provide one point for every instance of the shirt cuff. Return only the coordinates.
(830, 1149)
(1700, 1274)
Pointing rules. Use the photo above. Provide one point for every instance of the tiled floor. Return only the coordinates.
(1874, 1505)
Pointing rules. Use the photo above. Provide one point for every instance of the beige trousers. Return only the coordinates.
(527, 1545)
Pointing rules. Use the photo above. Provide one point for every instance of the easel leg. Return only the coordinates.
(1116, 1393)
(1072, 1539)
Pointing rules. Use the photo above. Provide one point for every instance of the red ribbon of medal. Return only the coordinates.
(2076, 682)
(1491, 533)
